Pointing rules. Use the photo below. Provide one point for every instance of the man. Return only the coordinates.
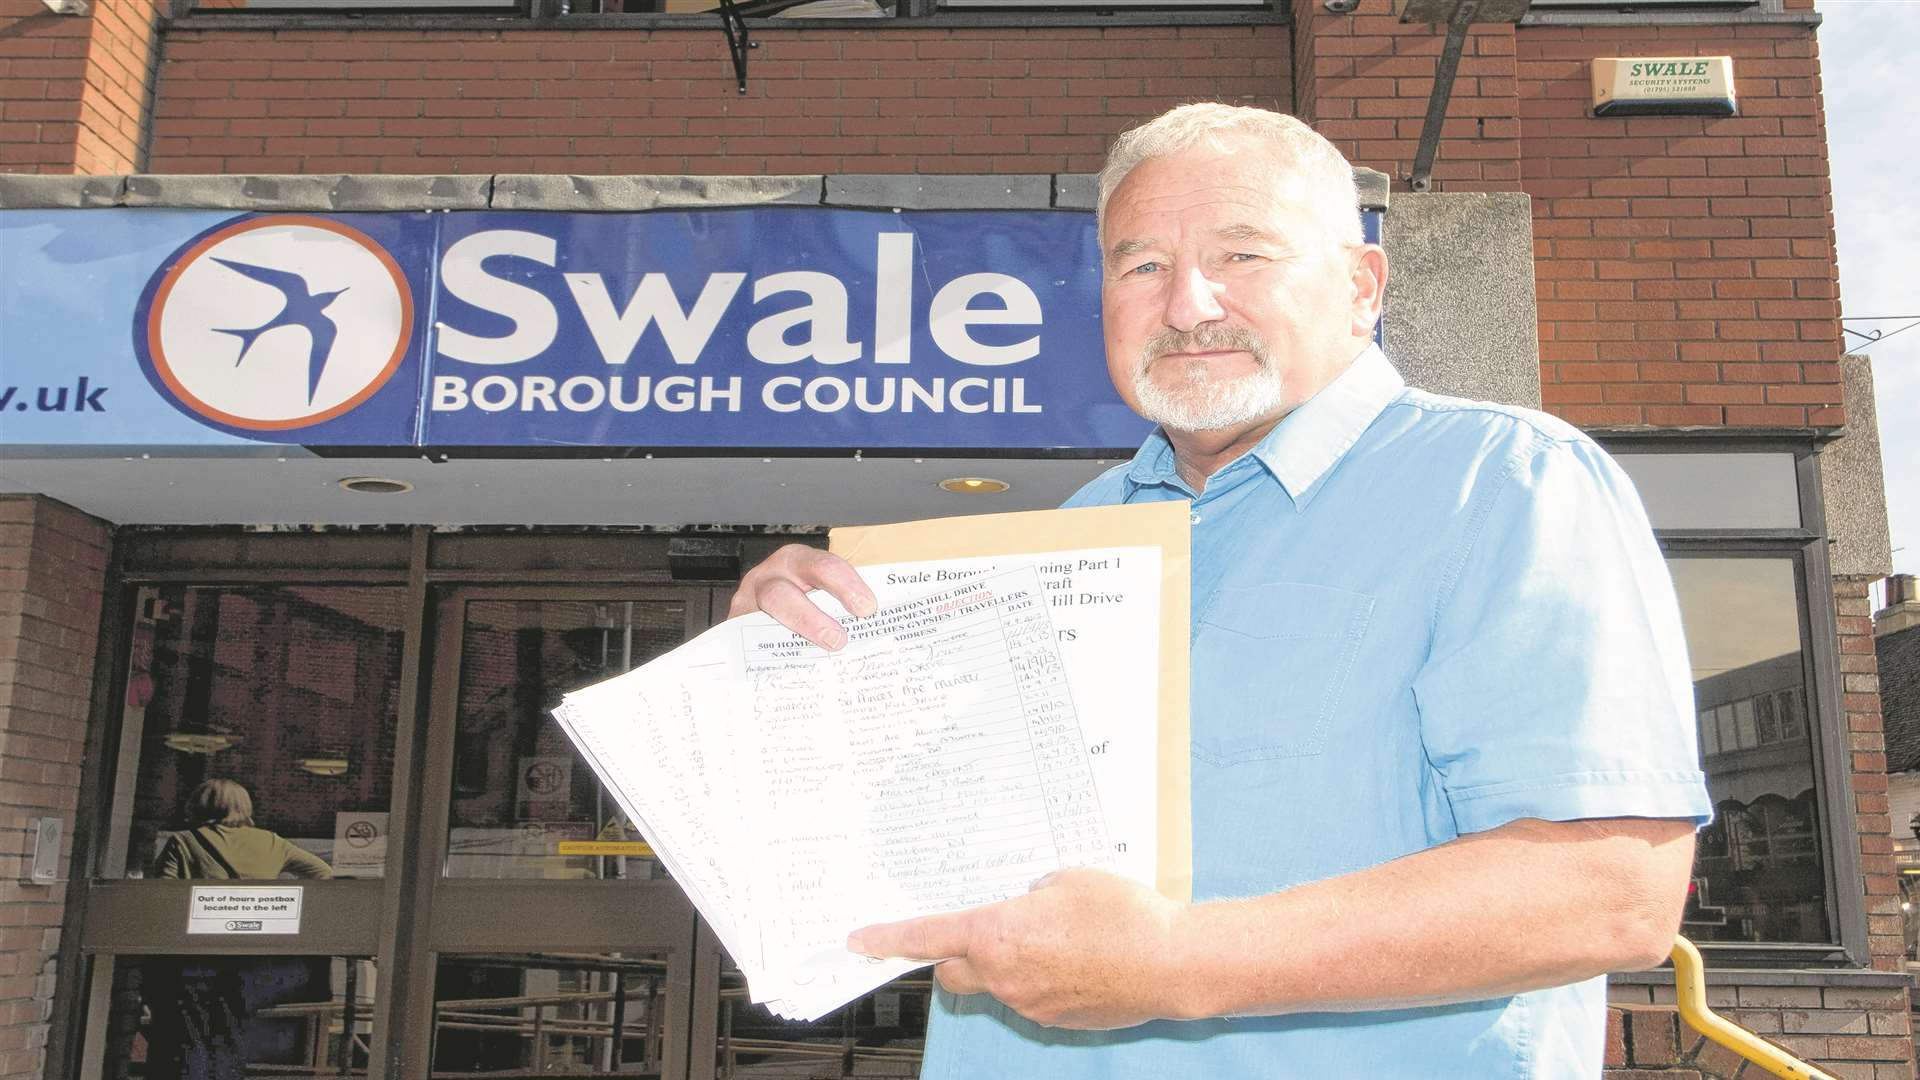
(1444, 771)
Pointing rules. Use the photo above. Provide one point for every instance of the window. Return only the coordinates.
(289, 692)
(310, 1016)
(1747, 646)
(1743, 542)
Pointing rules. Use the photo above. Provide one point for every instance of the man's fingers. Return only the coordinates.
(934, 937)
(779, 587)
(842, 582)
(789, 606)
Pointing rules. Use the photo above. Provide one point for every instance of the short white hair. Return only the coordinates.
(1299, 148)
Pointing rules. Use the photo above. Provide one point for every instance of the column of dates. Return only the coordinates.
(1059, 751)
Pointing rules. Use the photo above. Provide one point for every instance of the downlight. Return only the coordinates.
(375, 485)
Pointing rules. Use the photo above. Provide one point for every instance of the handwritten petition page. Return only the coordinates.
(954, 752)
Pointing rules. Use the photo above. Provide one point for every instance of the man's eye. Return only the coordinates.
(1242, 256)
(1145, 268)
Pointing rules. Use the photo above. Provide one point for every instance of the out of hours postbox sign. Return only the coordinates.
(245, 909)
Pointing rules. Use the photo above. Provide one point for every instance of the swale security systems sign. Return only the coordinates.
(1663, 85)
(267, 909)
(747, 328)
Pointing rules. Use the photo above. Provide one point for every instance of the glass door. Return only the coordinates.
(233, 911)
(471, 902)
(548, 940)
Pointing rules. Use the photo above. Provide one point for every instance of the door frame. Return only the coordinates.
(481, 915)
(107, 917)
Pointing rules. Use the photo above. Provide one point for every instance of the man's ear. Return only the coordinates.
(1369, 279)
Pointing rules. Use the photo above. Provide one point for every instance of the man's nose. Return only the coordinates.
(1194, 300)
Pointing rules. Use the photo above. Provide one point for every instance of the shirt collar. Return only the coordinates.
(1306, 444)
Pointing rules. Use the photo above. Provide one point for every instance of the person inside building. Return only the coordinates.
(202, 1006)
(220, 840)
(1444, 770)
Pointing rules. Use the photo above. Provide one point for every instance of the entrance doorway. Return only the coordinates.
(490, 912)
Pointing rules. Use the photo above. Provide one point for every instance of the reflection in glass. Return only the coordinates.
(1760, 873)
(880, 1035)
(591, 1014)
(1716, 490)
(188, 1017)
(290, 691)
(525, 805)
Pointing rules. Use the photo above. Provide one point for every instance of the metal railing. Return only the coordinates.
(1690, 986)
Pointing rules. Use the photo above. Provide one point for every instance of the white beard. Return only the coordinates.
(1199, 401)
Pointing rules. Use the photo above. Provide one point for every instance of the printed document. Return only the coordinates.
(995, 720)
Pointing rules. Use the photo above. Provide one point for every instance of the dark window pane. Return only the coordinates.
(879, 1036)
(283, 697)
(525, 805)
(1716, 491)
(1760, 872)
(578, 1014)
(179, 1017)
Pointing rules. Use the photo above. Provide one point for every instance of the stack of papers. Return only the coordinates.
(982, 729)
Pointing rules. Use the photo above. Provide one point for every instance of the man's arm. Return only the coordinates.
(300, 862)
(1527, 905)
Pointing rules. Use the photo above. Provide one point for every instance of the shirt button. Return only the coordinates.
(1194, 517)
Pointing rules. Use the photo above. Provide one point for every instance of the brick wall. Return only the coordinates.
(1854, 1034)
(43, 60)
(1686, 267)
(75, 90)
(1860, 700)
(1687, 272)
(1365, 79)
(119, 87)
(52, 573)
(852, 100)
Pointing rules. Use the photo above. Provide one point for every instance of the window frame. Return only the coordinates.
(1807, 547)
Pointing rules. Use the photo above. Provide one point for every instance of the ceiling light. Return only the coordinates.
(323, 766)
(200, 742)
(375, 485)
(974, 485)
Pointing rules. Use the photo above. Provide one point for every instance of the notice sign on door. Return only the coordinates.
(268, 909)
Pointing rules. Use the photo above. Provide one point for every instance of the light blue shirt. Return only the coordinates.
(1413, 617)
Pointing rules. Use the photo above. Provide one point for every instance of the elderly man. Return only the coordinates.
(1444, 775)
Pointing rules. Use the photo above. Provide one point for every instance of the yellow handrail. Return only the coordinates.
(1690, 983)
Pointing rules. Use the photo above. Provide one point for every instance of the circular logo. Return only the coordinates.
(361, 833)
(544, 778)
(277, 322)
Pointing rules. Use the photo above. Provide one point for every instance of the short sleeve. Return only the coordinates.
(1557, 686)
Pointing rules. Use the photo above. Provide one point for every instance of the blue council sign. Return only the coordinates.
(771, 328)
(761, 328)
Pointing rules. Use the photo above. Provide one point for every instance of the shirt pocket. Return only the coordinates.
(1270, 664)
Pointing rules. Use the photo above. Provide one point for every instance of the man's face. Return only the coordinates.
(1228, 297)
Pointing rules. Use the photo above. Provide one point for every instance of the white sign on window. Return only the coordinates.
(359, 844)
(256, 909)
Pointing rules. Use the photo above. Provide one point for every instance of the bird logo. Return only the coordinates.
(304, 308)
(276, 322)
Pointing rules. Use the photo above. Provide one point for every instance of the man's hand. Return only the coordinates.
(779, 587)
(1084, 949)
